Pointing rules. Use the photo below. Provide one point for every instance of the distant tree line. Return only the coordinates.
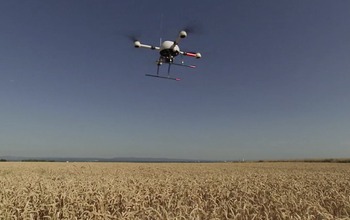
(3, 160)
(311, 160)
(36, 160)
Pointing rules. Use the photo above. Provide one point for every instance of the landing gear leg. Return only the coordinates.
(169, 69)
(158, 65)
(169, 65)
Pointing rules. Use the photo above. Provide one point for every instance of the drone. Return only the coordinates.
(168, 50)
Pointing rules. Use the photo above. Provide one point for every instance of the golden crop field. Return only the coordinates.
(174, 191)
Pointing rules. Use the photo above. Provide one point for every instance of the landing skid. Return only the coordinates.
(169, 61)
(163, 77)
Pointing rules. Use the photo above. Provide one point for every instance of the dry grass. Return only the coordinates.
(174, 191)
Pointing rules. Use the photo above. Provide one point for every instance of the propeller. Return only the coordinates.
(193, 28)
(130, 35)
(133, 37)
(190, 29)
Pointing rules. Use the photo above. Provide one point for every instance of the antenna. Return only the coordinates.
(160, 29)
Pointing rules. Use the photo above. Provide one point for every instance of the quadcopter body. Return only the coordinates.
(168, 50)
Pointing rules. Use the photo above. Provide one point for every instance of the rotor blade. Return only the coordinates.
(193, 28)
(129, 35)
(133, 37)
(189, 29)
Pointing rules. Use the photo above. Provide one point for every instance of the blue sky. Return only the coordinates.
(273, 82)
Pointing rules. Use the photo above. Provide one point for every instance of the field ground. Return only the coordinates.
(174, 190)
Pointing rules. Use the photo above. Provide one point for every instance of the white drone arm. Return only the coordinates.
(191, 54)
(138, 44)
(182, 34)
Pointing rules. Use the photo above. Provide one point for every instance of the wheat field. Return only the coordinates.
(285, 190)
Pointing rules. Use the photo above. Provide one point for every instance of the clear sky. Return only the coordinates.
(273, 81)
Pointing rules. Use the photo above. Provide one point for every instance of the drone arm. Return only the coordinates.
(182, 34)
(191, 54)
(138, 44)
